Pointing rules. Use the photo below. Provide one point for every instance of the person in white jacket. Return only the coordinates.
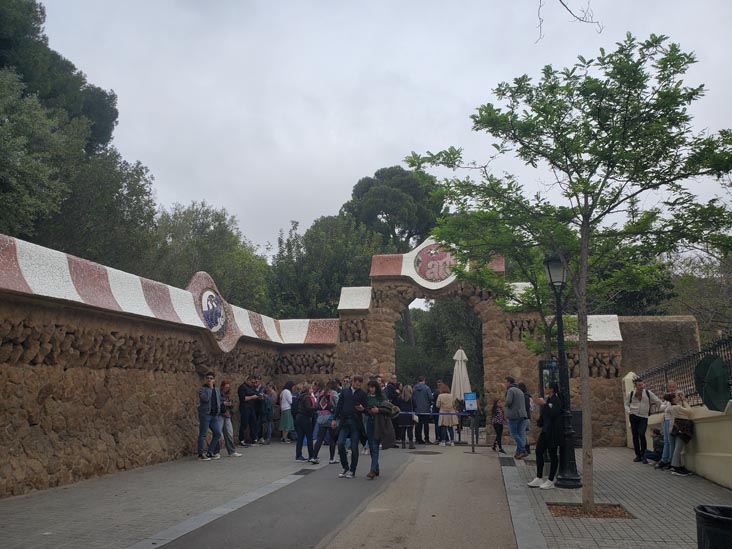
(638, 407)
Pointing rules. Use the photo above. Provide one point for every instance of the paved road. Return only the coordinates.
(450, 499)
(448, 496)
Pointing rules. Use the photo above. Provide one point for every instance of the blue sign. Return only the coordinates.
(471, 402)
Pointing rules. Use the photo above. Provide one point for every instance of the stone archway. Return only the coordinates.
(367, 342)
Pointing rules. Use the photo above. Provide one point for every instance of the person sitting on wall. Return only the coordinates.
(209, 417)
(638, 407)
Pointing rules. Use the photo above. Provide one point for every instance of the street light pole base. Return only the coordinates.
(569, 482)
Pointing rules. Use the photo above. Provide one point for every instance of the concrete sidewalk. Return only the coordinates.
(663, 504)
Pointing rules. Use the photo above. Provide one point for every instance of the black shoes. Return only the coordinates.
(637, 459)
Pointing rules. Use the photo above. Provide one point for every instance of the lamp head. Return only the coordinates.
(555, 270)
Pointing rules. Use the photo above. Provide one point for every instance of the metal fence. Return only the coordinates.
(681, 370)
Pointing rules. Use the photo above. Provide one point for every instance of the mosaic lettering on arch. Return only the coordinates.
(434, 264)
(214, 313)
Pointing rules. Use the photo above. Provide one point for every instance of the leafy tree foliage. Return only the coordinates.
(108, 216)
(703, 287)
(55, 80)
(402, 205)
(610, 129)
(309, 270)
(202, 238)
(447, 325)
(37, 148)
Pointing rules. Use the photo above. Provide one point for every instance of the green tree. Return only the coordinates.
(403, 206)
(400, 204)
(108, 216)
(55, 80)
(200, 237)
(703, 287)
(447, 324)
(37, 149)
(309, 270)
(611, 129)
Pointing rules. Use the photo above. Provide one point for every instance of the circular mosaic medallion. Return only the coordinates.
(433, 263)
(213, 312)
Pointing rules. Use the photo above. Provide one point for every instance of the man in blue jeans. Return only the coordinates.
(209, 417)
(348, 412)
(517, 416)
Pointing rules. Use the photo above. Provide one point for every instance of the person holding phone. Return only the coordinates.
(550, 421)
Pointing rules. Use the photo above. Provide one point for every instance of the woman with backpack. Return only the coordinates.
(325, 407)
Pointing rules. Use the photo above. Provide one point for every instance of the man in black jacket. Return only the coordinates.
(351, 404)
(247, 397)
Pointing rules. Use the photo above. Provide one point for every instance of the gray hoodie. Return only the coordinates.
(422, 397)
(515, 403)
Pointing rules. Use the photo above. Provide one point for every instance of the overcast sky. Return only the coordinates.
(275, 109)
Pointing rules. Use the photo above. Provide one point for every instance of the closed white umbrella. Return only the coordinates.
(460, 379)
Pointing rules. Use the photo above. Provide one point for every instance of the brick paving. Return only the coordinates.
(663, 505)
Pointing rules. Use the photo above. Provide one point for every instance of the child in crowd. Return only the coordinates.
(658, 442)
(498, 420)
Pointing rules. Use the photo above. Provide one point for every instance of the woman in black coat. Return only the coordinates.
(550, 421)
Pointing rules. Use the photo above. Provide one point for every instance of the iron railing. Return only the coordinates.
(681, 370)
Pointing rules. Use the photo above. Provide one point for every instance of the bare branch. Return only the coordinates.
(583, 15)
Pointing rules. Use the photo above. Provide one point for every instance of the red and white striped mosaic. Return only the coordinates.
(26, 268)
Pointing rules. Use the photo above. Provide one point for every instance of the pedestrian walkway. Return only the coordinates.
(663, 504)
(428, 496)
(119, 510)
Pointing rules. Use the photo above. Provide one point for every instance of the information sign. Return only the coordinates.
(471, 402)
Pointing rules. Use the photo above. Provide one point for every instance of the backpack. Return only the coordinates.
(651, 404)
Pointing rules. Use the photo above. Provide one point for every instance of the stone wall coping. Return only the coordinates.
(355, 298)
(30, 269)
(670, 318)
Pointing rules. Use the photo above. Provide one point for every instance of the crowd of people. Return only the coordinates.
(677, 428)
(340, 414)
(344, 415)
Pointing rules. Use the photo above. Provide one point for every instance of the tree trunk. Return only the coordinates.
(409, 335)
(588, 496)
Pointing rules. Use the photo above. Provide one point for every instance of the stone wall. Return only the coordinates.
(367, 346)
(86, 392)
(506, 355)
(649, 341)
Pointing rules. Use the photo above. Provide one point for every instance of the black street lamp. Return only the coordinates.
(567, 476)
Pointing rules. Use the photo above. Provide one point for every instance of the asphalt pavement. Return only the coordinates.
(423, 498)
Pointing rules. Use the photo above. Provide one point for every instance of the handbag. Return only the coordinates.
(415, 418)
(323, 419)
(683, 429)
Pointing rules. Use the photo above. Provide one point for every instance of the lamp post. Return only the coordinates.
(567, 476)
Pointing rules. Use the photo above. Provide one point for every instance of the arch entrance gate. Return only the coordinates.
(367, 341)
